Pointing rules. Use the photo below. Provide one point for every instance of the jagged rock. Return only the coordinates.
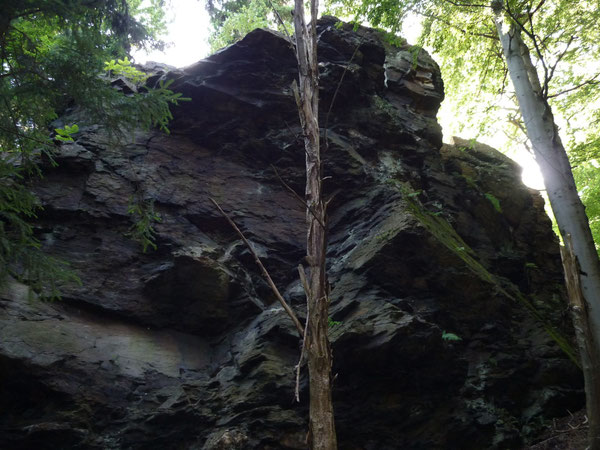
(186, 347)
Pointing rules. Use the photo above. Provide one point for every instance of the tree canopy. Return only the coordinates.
(54, 57)
(461, 35)
(232, 20)
(563, 38)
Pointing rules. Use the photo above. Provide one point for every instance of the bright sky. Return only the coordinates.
(188, 31)
(187, 35)
(532, 176)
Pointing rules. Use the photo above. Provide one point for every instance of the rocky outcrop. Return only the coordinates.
(185, 346)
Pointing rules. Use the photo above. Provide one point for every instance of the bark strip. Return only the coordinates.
(322, 434)
(590, 356)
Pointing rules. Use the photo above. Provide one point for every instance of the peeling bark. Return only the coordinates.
(322, 434)
(590, 355)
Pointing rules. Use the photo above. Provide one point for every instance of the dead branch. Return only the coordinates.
(297, 196)
(289, 37)
(264, 271)
(571, 427)
(337, 89)
(299, 365)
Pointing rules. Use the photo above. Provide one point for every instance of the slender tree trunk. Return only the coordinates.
(321, 423)
(566, 205)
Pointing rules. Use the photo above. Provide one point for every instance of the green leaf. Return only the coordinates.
(333, 323)
(450, 337)
(494, 201)
(63, 138)
(64, 134)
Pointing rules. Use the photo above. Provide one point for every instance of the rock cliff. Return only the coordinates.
(185, 347)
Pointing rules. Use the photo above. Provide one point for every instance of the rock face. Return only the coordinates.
(185, 347)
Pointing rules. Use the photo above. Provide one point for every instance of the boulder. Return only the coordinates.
(185, 346)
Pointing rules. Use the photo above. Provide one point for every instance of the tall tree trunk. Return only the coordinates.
(566, 205)
(321, 423)
(583, 333)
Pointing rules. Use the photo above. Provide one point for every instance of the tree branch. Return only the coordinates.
(337, 89)
(264, 271)
(540, 4)
(297, 197)
(553, 68)
(19, 135)
(538, 50)
(591, 81)
(307, 291)
(531, 34)
(472, 5)
(291, 41)
(456, 27)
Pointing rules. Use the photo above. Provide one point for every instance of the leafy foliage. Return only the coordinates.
(123, 67)
(20, 251)
(232, 20)
(145, 108)
(564, 41)
(53, 54)
(65, 134)
(587, 176)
